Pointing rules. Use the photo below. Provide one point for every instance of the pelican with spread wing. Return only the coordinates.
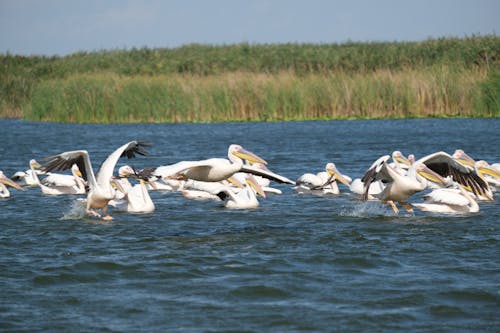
(217, 169)
(101, 190)
(434, 167)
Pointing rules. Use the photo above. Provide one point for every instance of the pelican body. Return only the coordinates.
(449, 201)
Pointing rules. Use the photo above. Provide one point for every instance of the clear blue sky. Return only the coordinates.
(60, 27)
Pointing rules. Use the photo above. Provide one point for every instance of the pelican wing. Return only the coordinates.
(379, 170)
(445, 165)
(177, 169)
(266, 174)
(129, 149)
(65, 160)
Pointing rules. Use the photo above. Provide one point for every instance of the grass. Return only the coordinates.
(445, 77)
(242, 96)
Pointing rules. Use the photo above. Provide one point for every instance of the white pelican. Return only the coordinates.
(321, 183)
(239, 196)
(101, 190)
(58, 179)
(76, 186)
(4, 180)
(489, 174)
(432, 167)
(449, 201)
(27, 178)
(217, 169)
(195, 189)
(133, 199)
(245, 198)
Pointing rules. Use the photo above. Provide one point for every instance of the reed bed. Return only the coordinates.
(204, 83)
(244, 96)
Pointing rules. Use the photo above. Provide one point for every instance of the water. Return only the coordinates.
(297, 263)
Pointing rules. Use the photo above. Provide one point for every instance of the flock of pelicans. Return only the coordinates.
(456, 181)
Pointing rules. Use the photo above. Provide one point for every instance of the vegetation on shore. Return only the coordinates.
(199, 83)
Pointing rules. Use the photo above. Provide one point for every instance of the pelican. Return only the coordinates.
(323, 182)
(449, 201)
(101, 190)
(4, 182)
(195, 189)
(489, 174)
(245, 198)
(57, 179)
(432, 167)
(27, 178)
(72, 185)
(133, 199)
(217, 169)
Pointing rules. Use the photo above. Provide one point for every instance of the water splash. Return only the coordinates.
(371, 209)
(76, 211)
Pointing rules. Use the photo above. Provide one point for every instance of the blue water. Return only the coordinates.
(298, 263)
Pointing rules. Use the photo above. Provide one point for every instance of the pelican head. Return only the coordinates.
(235, 182)
(460, 156)
(75, 170)
(252, 182)
(398, 157)
(331, 169)
(126, 171)
(34, 164)
(7, 181)
(428, 174)
(483, 168)
(239, 151)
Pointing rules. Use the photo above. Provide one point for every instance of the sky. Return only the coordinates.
(62, 27)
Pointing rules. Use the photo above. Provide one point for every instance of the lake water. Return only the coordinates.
(297, 263)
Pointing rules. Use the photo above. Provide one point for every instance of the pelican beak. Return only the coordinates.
(35, 165)
(465, 159)
(484, 170)
(116, 184)
(249, 156)
(252, 182)
(428, 174)
(235, 182)
(403, 160)
(338, 176)
(7, 181)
